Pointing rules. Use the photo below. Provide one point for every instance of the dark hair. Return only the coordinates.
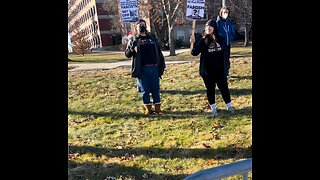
(211, 23)
(141, 20)
(205, 36)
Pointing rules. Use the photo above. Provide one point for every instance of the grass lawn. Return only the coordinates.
(96, 58)
(109, 138)
(115, 57)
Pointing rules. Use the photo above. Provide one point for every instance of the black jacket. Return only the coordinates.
(201, 47)
(136, 57)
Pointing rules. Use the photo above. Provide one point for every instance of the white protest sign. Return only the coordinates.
(129, 10)
(195, 9)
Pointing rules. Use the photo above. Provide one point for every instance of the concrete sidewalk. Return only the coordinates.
(106, 66)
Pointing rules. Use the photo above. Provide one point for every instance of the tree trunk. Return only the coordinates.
(171, 40)
(161, 37)
(153, 29)
(246, 35)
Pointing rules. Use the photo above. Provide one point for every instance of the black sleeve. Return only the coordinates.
(129, 52)
(197, 46)
(162, 61)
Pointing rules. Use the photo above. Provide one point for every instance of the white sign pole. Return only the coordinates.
(192, 34)
(223, 3)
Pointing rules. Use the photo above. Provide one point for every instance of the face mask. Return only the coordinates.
(225, 15)
(142, 29)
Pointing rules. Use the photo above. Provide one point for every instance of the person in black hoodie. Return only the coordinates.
(212, 65)
(147, 66)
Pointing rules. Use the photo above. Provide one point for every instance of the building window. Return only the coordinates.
(98, 40)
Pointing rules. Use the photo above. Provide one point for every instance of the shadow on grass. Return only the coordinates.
(107, 114)
(228, 152)
(240, 56)
(112, 171)
(183, 92)
(233, 92)
(70, 60)
(167, 114)
(116, 170)
(139, 115)
(239, 92)
(239, 43)
(238, 112)
(242, 77)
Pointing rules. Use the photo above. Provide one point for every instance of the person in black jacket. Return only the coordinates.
(147, 66)
(212, 65)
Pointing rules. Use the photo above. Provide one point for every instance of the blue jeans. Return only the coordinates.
(149, 83)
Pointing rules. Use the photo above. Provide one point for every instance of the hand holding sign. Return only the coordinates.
(192, 39)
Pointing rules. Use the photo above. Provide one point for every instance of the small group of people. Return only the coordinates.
(148, 62)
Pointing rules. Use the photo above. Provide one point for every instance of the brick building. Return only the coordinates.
(94, 19)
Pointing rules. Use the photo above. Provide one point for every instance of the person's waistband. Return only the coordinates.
(150, 65)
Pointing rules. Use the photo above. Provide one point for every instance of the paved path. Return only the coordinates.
(106, 66)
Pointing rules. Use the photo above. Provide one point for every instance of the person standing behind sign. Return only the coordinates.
(225, 29)
(147, 66)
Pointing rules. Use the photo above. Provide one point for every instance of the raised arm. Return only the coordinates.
(130, 51)
(197, 46)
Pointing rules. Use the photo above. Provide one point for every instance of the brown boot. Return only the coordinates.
(157, 109)
(147, 109)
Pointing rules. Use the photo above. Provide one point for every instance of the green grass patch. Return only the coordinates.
(110, 138)
(97, 58)
(184, 56)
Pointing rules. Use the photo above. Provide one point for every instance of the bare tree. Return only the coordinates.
(80, 42)
(112, 11)
(158, 23)
(242, 14)
(164, 15)
(171, 9)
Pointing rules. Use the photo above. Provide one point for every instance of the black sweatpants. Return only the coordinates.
(222, 84)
